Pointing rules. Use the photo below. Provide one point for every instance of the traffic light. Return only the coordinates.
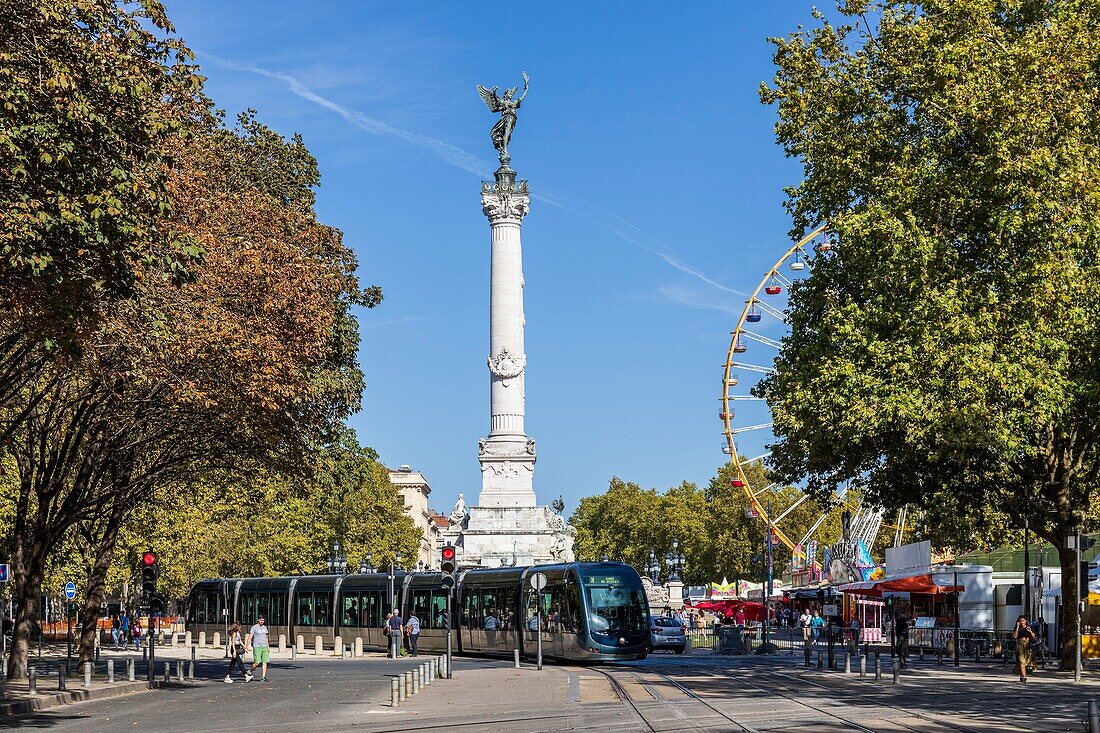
(158, 604)
(447, 566)
(150, 571)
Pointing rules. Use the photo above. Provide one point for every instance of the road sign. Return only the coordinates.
(70, 590)
(538, 581)
(5, 572)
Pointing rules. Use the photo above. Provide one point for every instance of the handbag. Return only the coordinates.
(239, 648)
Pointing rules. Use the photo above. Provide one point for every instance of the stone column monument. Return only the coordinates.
(507, 527)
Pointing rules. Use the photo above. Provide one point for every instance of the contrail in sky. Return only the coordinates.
(471, 163)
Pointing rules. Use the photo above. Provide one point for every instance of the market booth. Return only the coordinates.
(930, 604)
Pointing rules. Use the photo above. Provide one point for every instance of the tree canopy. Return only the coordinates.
(944, 353)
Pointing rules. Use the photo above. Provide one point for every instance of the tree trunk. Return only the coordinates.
(1070, 611)
(28, 593)
(97, 582)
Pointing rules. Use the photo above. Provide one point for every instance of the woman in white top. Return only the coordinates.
(236, 649)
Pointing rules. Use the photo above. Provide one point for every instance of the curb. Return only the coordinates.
(55, 699)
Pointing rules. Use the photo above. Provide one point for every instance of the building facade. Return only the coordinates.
(415, 492)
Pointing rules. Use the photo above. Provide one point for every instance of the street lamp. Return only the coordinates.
(396, 562)
(365, 565)
(675, 561)
(337, 564)
(652, 569)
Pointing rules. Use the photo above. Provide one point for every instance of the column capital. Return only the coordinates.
(505, 201)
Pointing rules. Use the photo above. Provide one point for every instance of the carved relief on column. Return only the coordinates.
(503, 202)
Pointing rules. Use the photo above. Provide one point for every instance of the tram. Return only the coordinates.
(589, 611)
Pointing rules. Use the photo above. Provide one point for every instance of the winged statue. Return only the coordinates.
(507, 106)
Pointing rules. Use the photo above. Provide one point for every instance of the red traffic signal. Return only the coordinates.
(448, 553)
(149, 558)
(447, 560)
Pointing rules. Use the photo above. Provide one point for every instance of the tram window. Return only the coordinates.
(305, 609)
(507, 597)
(322, 606)
(372, 602)
(554, 609)
(490, 607)
(351, 610)
(248, 616)
(278, 616)
(439, 610)
(471, 615)
(422, 607)
(573, 611)
(261, 608)
(532, 612)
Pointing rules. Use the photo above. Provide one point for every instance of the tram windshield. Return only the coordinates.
(616, 603)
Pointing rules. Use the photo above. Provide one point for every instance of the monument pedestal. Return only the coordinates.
(493, 537)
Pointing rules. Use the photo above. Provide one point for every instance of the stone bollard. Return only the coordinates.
(318, 646)
(820, 660)
(358, 648)
(191, 670)
(863, 666)
(338, 647)
(401, 691)
(130, 670)
(878, 668)
(202, 638)
(217, 640)
(515, 658)
(187, 638)
(847, 663)
(179, 670)
(393, 692)
(1094, 716)
(61, 678)
(87, 674)
(32, 680)
(949, 648)
(282, 643)
(300, 644)
(897, 673)
(172, 639)
(167, 671)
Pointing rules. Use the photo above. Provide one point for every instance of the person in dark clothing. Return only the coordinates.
(901, 639)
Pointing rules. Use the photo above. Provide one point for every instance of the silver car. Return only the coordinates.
(666, 632)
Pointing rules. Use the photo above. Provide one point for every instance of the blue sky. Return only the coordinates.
(660, 204)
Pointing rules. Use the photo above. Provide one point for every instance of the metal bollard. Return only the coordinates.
(820, 660)
(1094, 716)
(393, 692)
(130, 670)
(897, 673)
(939, 657)
(144, 654)
(977, 652)
(878, 669)
(61, 678)
(167, 671)
(192, 654)
(110, 671)
(920, 653)
(87, 674)
(807, 653)
(438, 664)
(191, 671)
(32, 680)
(179, 670)
(515, 657)
(293, 652)
(847, 664)
(863, 666)
(414, 675)
(427, 673)
(401, 693)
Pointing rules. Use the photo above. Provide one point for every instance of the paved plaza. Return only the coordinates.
(699, 692)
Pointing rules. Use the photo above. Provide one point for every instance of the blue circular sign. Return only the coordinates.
(70, 590)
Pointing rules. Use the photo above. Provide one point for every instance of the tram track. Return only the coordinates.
(624, 695)
(790, 694)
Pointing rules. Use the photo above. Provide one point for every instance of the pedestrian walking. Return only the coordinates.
(412, 632)
(1023, 636)
(817, 624)
(261, 652)
(135, 634)
(394, 624)
(236, 651)
(124, 628)
(901, 638)
(116, 631)
(806, 621)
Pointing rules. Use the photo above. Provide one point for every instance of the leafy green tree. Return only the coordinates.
(945, 352)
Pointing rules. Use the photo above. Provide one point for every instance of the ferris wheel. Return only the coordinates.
(762, 324)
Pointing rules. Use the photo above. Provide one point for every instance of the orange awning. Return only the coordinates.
(912, 584)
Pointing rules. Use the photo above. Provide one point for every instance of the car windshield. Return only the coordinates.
(666, 622)
(615, 602)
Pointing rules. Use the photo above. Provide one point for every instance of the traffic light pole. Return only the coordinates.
(450, 658)
(69, 638)
(1077, 604)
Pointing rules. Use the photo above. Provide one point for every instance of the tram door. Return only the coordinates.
(550, 628)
